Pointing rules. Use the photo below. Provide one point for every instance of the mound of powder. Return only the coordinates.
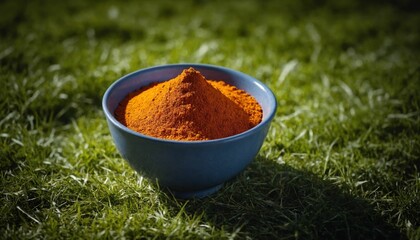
(189, 108)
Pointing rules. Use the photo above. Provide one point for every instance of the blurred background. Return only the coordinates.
(98, 42)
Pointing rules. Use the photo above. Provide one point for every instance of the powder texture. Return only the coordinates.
(189, 108)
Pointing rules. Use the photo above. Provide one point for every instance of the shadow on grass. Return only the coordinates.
(272, 201)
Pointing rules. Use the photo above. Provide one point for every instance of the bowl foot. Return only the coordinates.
(197, 194)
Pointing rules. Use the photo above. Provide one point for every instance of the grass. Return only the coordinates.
(341, 160)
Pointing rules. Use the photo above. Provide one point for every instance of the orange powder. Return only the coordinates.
(189, 108)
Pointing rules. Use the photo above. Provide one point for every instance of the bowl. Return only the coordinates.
(189, 169)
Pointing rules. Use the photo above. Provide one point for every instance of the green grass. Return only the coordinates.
(341, 160)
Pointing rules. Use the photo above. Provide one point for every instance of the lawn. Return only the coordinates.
(341, 159)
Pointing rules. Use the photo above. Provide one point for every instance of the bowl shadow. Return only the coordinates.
(271, 201)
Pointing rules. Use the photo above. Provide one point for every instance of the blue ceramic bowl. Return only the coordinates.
(188, 168)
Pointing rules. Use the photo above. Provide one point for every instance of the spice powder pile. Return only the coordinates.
(189, 108)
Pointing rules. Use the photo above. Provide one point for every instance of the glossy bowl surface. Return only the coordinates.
(188, 168)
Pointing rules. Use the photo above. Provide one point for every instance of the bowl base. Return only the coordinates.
(197, 194)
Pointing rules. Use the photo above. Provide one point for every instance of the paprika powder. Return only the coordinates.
(189, 108)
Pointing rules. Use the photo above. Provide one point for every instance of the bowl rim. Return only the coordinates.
(241, 135)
